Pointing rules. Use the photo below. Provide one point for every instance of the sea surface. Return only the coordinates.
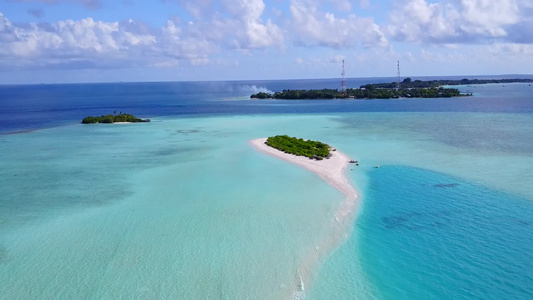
(184, 208)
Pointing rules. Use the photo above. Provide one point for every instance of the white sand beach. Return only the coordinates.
(333, 171)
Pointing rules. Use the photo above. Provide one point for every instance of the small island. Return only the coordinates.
(113, 118)
(299, 147)
(332, 170)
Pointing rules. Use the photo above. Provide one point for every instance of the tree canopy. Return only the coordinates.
(408, 83)
(299, 147)
(408, 88)
(368, 92)
(113, 119)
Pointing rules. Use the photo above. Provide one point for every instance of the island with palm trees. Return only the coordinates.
(394, 90)
(113, 118)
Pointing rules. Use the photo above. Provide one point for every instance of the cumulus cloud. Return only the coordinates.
(92, 43)
(86, 42)
(214, 27)
(314, 27)
(233, 25)
(259, 34)
(238, 24)
(175, 46)
(462, 21)
(225, 30)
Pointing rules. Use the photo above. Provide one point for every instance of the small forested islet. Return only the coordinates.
(300, 147)
(113, 118)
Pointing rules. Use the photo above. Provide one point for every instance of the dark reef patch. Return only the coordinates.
(446, 185)
(187, 131)
(418, 221)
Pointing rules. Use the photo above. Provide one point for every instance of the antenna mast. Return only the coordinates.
(343, 83)
(399, 78)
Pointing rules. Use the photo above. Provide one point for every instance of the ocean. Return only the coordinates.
(184, 208)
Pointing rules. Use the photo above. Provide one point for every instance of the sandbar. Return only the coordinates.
(332, 170)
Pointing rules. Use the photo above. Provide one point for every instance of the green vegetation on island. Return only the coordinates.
(407, 83)
(405, 89)
(362, 93)
(300, 147)
(113, 118)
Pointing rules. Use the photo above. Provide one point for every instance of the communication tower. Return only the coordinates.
(399, 78)
(343, 83)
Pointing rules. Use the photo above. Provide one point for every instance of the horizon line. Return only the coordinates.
(252, 80)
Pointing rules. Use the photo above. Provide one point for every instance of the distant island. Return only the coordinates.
(370, 92)
(300, 147)
(405, 89)
(407, 83)
(113, 118)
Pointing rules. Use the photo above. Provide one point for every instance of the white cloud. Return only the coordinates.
(237, 24)
(85, 34)
(461, 21)
(175, 46)
(231, 25)
(85, 42)
(489, 17)
(314, 27)
(259, 34)
(238, 31)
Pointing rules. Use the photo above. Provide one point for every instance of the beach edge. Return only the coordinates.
(333, 171)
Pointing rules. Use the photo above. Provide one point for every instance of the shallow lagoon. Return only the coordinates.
(184, 207)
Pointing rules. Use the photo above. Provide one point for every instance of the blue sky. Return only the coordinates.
(46, 41)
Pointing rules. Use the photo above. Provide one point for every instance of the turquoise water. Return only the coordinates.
(425, 233)
(165, 210)
(182, 207)
(428, 235)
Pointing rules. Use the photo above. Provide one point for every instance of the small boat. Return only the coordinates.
(377, 166)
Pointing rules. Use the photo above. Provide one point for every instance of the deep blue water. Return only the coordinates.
(445, 238)
(427, 235)
(27, 107)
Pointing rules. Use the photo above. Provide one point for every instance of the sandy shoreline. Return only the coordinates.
(333, 171)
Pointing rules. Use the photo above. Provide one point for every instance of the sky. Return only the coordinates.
(66, 41)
